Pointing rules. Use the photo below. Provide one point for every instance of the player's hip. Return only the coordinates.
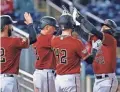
(105, 82)
(9, 83)
(68, 77)
(44, 70)
(105, 75)
(43, 74)
(44, 78)
(7, 75)
(68, 80)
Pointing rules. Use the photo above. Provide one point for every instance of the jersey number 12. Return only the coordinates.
(61, 55)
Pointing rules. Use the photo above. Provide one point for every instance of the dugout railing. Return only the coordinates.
(25, 81)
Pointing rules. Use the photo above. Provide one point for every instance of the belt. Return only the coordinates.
(53, 71)
(100, 77)
(8, 75)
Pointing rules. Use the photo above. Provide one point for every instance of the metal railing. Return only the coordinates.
(25, 81)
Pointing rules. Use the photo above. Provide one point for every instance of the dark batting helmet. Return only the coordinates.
(48, 20)
(6, 20)
(110, 23)
(66, 22)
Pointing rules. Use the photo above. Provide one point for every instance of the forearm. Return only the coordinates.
(81, 32)
(91, 58)
(32, 33)
(90, 27)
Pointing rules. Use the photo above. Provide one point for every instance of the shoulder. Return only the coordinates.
(55, 37)
(109, 38)
(77, 40)
(13, 39)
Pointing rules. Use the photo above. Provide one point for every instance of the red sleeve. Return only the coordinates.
(81, 50)
(20, 43)
(108, 39)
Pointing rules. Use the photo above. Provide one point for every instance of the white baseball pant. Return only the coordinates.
(8, 84)
(44, 80)
(105, 84)
(67, 83)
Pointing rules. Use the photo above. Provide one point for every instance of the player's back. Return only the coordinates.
(45, 58)
(68, 54)
(10, 54)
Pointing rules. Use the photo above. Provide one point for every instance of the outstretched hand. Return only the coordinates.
(28, 18)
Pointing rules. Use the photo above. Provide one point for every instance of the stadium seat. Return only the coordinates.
(118, 66)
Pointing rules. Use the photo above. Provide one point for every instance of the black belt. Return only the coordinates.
(8, 75)
(100, 77)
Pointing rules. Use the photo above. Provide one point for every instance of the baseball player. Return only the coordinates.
(104, 64)
(45, 59)
(10, 53)
(69, 51)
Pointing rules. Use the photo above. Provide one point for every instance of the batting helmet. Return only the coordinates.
(48, 20)
(66, 22)
(6, 20)
(110, 23)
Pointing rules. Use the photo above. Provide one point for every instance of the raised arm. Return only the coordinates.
(31, 30)
(84, 22)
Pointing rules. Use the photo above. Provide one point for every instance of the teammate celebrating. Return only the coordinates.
(69, 51)
(45, 63)
(10, 52)
(104, 65)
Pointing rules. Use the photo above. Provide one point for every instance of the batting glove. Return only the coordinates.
(74, 15)
(96, 45)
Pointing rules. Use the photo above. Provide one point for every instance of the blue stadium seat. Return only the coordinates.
(103, 14)
(118, 60)
(118, 66)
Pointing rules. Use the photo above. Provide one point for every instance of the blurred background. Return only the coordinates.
(96, 11)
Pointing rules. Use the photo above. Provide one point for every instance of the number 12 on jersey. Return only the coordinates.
(61, 55)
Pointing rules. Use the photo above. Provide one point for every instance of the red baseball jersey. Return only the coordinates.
(69, 51)
(10, 54)
(44, 53)
(105, 60)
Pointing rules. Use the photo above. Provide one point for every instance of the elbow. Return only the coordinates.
(97, 33)
(33, 40)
